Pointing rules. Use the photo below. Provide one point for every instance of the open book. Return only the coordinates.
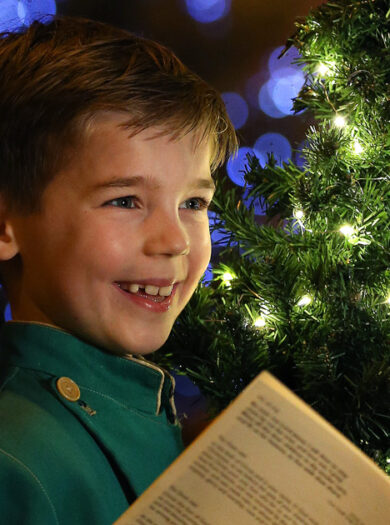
(268, 458)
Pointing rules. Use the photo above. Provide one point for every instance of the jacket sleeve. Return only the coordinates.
(23, 498)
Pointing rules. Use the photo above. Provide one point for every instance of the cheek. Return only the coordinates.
(90, 252)
(201, 250)
(107, 237)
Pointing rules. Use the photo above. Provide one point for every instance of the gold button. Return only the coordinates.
(68, 389)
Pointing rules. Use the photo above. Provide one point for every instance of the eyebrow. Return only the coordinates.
(137, 180)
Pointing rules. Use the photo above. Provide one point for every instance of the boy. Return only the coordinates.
(107, 145)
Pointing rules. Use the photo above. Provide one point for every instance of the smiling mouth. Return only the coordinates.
(148, 291)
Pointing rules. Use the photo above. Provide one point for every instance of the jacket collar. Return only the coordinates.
(131, 380)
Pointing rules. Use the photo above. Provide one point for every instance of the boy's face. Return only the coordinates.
(94, 235)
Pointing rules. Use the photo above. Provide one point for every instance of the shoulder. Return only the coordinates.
(48, 460)
(25, 429)
(21, 489)
(31, 416)
(38, 429)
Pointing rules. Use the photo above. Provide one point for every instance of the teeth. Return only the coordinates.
(151, 290)
(164, 291)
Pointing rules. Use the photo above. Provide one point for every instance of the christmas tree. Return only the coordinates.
(309, 298)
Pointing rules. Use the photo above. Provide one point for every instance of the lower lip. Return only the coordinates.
(149, 304)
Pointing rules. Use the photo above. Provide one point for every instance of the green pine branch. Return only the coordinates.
(307, 295)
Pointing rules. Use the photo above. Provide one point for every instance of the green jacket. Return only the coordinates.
(82, 432)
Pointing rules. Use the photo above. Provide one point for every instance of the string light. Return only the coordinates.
(259, 322)
(357, 147)
(304, 300)
(299, 214)
(227, 278)
(339, 121)
(347, 230)
(323, 69)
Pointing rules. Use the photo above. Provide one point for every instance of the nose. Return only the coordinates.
(164, 234)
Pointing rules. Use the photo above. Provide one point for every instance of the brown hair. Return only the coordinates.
(54, 78)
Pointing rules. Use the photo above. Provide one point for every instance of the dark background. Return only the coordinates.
(226, 53)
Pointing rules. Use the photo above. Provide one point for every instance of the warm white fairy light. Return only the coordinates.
(388, 299)
(339, 121)
(304, 300)
(357, 147)
(227, 278)
(323, 69)
(299, 214)
(260, 322)
(347, 230)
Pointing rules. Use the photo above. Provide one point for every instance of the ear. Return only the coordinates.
(8, 244)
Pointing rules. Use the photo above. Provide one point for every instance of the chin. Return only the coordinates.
(134, 347)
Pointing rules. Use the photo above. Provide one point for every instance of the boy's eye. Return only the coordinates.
(122, 202)
(196, 204)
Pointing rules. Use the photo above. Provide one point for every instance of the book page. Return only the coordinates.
(268, 458)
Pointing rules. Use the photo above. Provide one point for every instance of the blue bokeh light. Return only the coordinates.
(9, 17)
(266, 102)
(274, 143)
(185, 387)
(276, 96)
(237, 108)
(286, 61)
(285, 90)
(42, 10)
(7, 313)
(257, 204)
(219, 236)
(284, 72)
(300, 159)
(206, 11)
(14, 14)
(208, 275)
(236, 164)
